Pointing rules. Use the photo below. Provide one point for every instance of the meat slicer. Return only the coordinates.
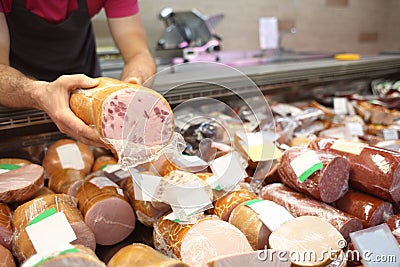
(188, 35)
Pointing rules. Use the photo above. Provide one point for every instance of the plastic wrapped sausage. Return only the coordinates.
(66, 181)
(299, 204)
(372, 170)
(6, 226)
(327, 183)
(224, 205)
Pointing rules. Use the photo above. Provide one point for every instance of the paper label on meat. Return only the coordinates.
(340, 105)
(147, 187)
(306, 164)
(102, 182)
(70, 157)
(228, 171)
(390, 134)
(348, 147)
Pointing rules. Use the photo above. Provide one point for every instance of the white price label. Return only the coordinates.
(70, 157)
(390, 134)
(355, 128)
(102, 182)
(228, 170)
(340, 105)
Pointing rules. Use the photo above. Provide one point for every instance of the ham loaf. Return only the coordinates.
(106, 210)
(103, 161)
(21, 184)
(299, 204)
(327, 184)
(124, 111)
(6, 226)
(372, 170)
(138, 255)
(224, 205)
(66, 181)
(26, 212)
(6, 258)
(67, 153)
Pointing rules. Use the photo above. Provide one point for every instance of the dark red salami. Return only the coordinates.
(299, 204)
(327, 184)
(371, 210)
(372, 170)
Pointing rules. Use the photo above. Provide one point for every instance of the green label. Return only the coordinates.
(10, 167)
(43, 215)
(218, 188)
(310, 171)
(248, 203)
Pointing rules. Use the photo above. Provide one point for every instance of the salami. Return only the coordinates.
(25, 213)
(106, 210)
(299, 204)
(371, 210)
(6, 226)
(372, 170)
(224, 205)
(327, 184)
(66, 181)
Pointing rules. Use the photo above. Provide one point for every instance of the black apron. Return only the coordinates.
(45, 50)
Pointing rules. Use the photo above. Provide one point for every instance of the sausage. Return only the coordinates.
(106, 210)
(6, 226)
(103, 161)
(299, 204)
(6, 258)
(138, 255)
(327, 184)
(109, 106)
(372, 170)
(369, 209)
(247, 221)
(21, 184)
(224, 205)
(67, 153)
(23, 247)
(66, 181)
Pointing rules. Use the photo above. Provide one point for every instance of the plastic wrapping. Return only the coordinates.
(299, 204)
(328, 183)
(372, 170)
(21, 184)
(66, 181)
(139, 255)
(23, 248)
(310, 240)
(6, 226)
(102, 161)
(106, 210)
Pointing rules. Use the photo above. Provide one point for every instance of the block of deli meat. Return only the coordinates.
(126, 111)
(6, 226)
(138, 255)
(67, 153)
(103, 161)
(372, 170)
(224, 205)
(66, 181)
(78, 255)
(146, 212)
(369, 209)
(20, 184)
(259, 258)
(208, 239)
(310, 240)
(25, 213)
(299, 204)
(6, 258)
(327, 183)
(106, 210)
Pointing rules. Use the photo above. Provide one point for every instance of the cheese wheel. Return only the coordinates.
(67, 153)
(21, 184)
(138, 255)
(114, 105)
(106, 210)
(6, 258)
(26, 212)
(103, 161)
(308, 238)
(224, 205)
(6, 226)
(66, 181)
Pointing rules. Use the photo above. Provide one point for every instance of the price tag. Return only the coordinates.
(348, 147)
(355, 128)
(228, 170)
(390, 134)
(70, 157)
(340, 105)
(190, 163)
(147, 187)
(259, 146)
(50, 232)
(306, 164)
(102, 182)
(115, 173)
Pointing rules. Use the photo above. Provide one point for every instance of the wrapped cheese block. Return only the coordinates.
(25, 213)
(66, 181)
(123, 111)
(310, 240)
(77, 256)
(327, 182)
(372, 170)
(106, 210)
(146, 212)
(299, 204)
(21, 184)
(6, 258)
(371, 210)
(139, 255)
(6, 226)
(67, 153)
(224, 205)
(103, 161)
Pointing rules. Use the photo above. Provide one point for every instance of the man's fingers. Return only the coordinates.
(72, 82)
